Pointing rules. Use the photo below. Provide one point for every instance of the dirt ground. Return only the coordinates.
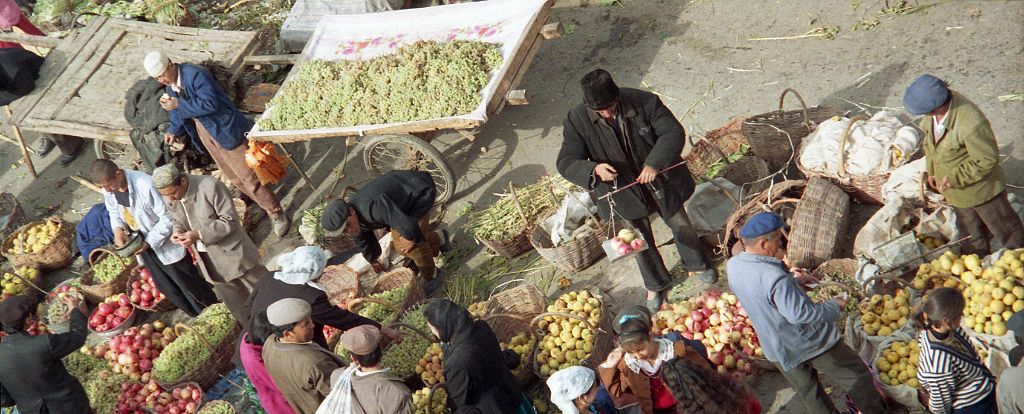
(703, 59)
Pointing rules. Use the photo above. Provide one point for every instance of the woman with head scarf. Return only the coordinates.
(575, 390)
(300, 269)
(472, 379)
(698, 388)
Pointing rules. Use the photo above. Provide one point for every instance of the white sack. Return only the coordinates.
(877, 145)
(905, 183)
(573, 212)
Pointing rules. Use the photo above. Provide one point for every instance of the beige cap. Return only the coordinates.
(156, 63)
(361, 340)
(288, 311)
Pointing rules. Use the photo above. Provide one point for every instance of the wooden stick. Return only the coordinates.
(10, 140)
(30, 40)
(21, 143)
(86, 183)
(297, 167)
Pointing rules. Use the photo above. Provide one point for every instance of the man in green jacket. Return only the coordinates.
(963, 164)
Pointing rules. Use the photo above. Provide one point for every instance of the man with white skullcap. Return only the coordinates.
(300, 368)
(575, 390)
(199, 108)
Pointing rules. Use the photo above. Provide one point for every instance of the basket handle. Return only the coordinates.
(430, 396)
(433, 339)
(867, 282)
(843, 141)
(519, 207)
(501, 285)
(102, 249)
(782, 100)
(355, 304)
(569, 192)
(506, 315)
(178, 327)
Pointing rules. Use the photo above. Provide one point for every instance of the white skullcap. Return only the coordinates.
(288, 311)
(155, 63)
(569, 384)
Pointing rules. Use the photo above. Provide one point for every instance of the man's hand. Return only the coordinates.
(377, 266)
(647, 175)
(187, 238)
(76, 302)
(802, 276)
(169, 103)
(120, 237)
(169, 138)
(393, 335)
(932, 183)
(605, 172)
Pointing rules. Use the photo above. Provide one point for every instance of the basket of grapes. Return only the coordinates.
(107, 276)
(202, 351)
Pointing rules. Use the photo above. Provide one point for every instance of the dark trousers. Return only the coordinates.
(843, 366)
(992, 220)
(691, 251)
(986, 406)
(180, 282)
(65, 143)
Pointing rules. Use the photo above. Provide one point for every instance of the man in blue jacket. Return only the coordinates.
(198, 107)
(798, 335)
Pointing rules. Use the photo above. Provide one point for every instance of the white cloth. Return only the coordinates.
(666, 352)
(880, 144)
(339, 400)
(177, 82)
(302, 266)
(939, 127)
(569, 384)
(146, 206)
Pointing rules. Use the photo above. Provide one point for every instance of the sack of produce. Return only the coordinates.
(202, 351)
(45, 244)
(994, 292)
(932, 228)
(908, 183)
(881, 316)
(895, 365)
(997, 360)
(503, 226)
(573, 331)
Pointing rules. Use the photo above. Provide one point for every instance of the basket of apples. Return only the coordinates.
(149, 397)
(626, 243)
(143, 294)
(112, 317)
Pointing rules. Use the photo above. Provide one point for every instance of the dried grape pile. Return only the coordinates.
(188, 351)
(422, 80)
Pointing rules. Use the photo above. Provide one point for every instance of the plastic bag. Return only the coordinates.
(905, 183)
(361, 265)
(572, 214)
(903, 394)
(710, 205)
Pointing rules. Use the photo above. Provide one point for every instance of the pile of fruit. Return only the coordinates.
(931, 242)
(477, 310)
(132, 353)
(35, 239)
(83, 364)
(135, 395)
(188, 352)
(217, 407)
(437, 406)
(419, 81)
(825, 292)
(881, 315)
(430, 366)
(143, 292)
(933, 275)
(381, 313)
(103, 389)
(898, 364)
(627, 241)
(568, 341)
(57, 309)
(403, 358)
(107, 269)
(110, 314)
(720, 323)
(520, 344)
(994, 294)
(12, 285)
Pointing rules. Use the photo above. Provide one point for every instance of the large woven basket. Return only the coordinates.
(400, 277)
(11, 214)
(819, 224)
(777, 198)
(95, 293)
(163, 305)
(865, 189)
(603, 337)
(56, 255)
(508, 248)
(775, 136)
(715, 144)
(341, 283)
(509, 313)
(574, 255)
(218, 363)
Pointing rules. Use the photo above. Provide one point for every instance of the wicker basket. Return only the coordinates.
(11, 214)
(341, 283)
(56, 255)
(775, 136)
(218, 363)
(163, 305)
(509, 313)
(400, 277)
(819, 224)
(572, 256)
(603, 338)
(508, 248)
(96, 293)
(776, 198)
(217, 405)
(715, 144)
(865, 189)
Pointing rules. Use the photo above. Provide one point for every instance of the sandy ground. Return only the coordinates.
(700, 57)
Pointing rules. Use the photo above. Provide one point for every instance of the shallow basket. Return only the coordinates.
(163, 305)
(776, 136)
(819, 224)
(714, 146)
(574, 255)
(96, 293)
(56, 255)
(508, 248)
(216, 365)
(864, 189)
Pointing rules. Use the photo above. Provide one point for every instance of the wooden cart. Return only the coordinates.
(82, 84)
(407, 147)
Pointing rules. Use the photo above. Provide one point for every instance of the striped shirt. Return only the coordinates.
(954, 379)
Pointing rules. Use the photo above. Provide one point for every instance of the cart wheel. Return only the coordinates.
(385, 153)
(109, 150)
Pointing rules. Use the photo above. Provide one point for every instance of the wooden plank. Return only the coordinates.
(78, 129)
(63, 83)
(10, 140)
(63, 99)
(30, 40)
(516, 65)
(272, 60)
(238, 61)
(256, 97)
(412, 128)
(21, 144)
(516, 76)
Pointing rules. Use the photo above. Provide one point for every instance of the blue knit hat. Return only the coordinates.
(925, 94)
(760, 224)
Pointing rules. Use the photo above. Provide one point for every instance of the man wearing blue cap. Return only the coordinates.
(798, 335)
(963, 164)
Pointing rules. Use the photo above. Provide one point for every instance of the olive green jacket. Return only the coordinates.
(967, 155)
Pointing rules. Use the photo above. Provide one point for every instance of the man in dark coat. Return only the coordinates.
(616, 137)
(399, 201)
(31, 372)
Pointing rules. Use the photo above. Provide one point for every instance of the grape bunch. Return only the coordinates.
(189, 351)
(103, 389)
(381, 313)
(422, 80)
(404, 357)
(81, 365)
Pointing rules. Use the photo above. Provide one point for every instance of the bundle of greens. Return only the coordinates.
(501, 221)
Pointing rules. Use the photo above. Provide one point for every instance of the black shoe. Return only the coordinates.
(431, 286)
(45, 146)
(69, 158)
(446, 242)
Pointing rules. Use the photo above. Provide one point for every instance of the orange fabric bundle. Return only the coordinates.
(263, 159)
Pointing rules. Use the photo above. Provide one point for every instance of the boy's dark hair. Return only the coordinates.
(280, 330)
(369, 360)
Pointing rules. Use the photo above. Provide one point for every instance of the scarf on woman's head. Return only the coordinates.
(302, 266)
